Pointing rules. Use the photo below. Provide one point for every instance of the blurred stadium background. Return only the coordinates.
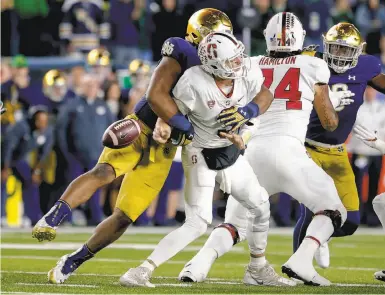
(104, 52)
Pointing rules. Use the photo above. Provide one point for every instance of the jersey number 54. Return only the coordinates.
(287, 88)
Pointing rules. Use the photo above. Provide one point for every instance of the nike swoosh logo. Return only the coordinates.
(259, 282)
(124, 135)
(240, 98)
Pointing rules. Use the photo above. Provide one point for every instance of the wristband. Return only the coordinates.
(180, 121)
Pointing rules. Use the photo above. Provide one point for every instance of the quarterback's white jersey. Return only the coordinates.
(291, 80)
(198, 96)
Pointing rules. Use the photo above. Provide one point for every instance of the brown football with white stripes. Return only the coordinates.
(121, 133)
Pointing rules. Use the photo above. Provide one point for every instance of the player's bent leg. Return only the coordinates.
(220, 241)
(105, 233)
(317, 192)
(379, 208)
(78, 192)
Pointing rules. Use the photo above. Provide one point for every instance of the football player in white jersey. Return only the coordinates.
(278, 155)
(227, 78)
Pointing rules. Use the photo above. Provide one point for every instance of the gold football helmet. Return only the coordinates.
(138, 66)
(343, 45)
(55, 85)
(205, 21)
(98, 57)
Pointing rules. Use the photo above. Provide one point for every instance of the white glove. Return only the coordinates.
(341, 98)
(369, 138)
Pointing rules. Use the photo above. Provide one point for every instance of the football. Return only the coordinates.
(121, 134)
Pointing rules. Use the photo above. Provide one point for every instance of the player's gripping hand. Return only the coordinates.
(182, 138)
(2, 108)
(236, 139)
(369, 138)
(237, 117)
(162, 131)
(341, 98)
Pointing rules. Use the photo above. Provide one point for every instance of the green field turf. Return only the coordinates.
(25, 263)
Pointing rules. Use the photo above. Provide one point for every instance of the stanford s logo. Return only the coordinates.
(212, 51)
(194, 159)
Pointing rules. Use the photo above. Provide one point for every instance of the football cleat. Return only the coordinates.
(42, 231)
(191, 275)
(265, 276)
(62, 271)
(137, 277)
(380, 275)
(322, 256)
(298, 269)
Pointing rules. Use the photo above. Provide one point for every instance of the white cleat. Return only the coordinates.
(322, 256)
(137, 277)
(380, 275)
(300, 270)
(42, 231)
(265, 276)
(56, 275)
(188, 274)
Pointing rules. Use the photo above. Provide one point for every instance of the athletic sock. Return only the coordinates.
(58, 213)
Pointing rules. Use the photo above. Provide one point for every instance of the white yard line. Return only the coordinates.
(287, 231)
(58, 285)
(74, 246)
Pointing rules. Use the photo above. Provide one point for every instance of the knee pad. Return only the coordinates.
(260, 217)
(232, 230)
(196, 224)
(335, 216)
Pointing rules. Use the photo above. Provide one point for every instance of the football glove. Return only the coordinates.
(2, 108)
(236, 117)
(369, 138)
(341, 98)
(181, 138)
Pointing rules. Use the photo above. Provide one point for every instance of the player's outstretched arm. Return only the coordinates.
(324, 107)
(263, 99)
(378, 83)
(158, 92)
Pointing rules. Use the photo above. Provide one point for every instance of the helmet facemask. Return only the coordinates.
(341, 57)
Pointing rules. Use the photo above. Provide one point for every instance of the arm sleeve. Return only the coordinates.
(11, 139)
(322, 72)
(173, 47)
(47, 147)
(184, 96)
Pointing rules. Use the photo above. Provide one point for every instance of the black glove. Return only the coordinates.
(181, 138)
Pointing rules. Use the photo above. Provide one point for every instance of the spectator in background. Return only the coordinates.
(99, 62)
(14, 91)
(112, 96)
(84, 26)
(55, 89)
(315, 17)
(80, 126)
(370, 18)
(341, 12)
(167, 23)
(75, 79)
(32, 26)
(366, 159)
(124, 20)
(264, 13)
(20, 139)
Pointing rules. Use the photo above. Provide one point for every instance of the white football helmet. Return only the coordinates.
(222, 55)
(284, 33)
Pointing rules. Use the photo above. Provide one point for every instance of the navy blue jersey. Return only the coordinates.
(186, 55)
(354, 80)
